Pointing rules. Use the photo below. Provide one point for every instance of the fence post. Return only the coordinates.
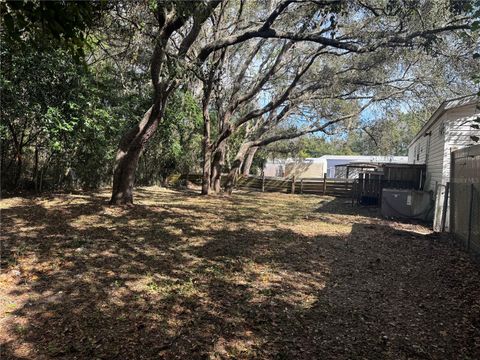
(452, 193)
(470, 210)
(324, 184)
(263, 182)
(346, 179)
(353, 191)
(301, 186)
(380, 188)
(360, 188)
(445, 205)
(293, 184)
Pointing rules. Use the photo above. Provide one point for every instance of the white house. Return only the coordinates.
(334, 160)
(449, 128)
(317, 167)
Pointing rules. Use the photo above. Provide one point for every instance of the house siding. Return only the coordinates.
(458, 133)
(450, 131)
(458, 130)
(417, 151)
(305, 169)
(435, 145)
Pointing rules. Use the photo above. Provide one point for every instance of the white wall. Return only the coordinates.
(458, 131)
(274, 169)
(417, 151)
(429, 150)
(434, 154)
(304, 169)
(449, 132)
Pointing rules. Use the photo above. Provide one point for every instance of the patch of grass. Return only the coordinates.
(118, 283)
(214, 270)
(171, 287)
(267, 292)
(10, 307)
(20, 329)
(154, 287)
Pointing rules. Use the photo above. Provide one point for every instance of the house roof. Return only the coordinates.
(379, 164)
(346, 158)
(360, 165)
(444, 107)
(366, 158)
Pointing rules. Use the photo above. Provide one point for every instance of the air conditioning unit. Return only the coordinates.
(407, 204)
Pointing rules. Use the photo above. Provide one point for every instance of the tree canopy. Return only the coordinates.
(143, 90)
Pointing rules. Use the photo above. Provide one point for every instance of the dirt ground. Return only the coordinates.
(253, 276)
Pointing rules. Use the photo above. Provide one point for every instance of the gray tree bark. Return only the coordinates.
(218, 161)
(131, 146)
(236, 166)
(207, 159)
(247, 164)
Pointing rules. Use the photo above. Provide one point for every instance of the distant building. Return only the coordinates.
(451, 127)
(318, 167)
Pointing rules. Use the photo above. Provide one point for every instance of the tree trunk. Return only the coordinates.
(218, 162)
(18, 170)
(40, 185)
(35, 171)
(18, 154)
(207, 166)
(124, 176)
(206, 147)
(236, 166)
(232, 176)
(247, 164)
(2, 163)
(131, 146)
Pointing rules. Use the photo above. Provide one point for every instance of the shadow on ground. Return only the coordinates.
(252, 276)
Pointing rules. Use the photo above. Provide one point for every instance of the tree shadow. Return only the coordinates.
(190, 277)
(343, 206)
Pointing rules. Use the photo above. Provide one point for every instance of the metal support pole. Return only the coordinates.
(445, 206)
(470, 211)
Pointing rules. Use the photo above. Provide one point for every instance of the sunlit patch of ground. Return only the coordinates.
(254, 275)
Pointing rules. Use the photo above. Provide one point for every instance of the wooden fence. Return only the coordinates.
(367, 189)
(334, 187)
(320, 186)
(465, 198)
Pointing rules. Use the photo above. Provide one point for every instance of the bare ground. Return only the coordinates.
(264, 276)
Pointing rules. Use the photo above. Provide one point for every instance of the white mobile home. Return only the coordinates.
(318, 167)
(449, 128)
